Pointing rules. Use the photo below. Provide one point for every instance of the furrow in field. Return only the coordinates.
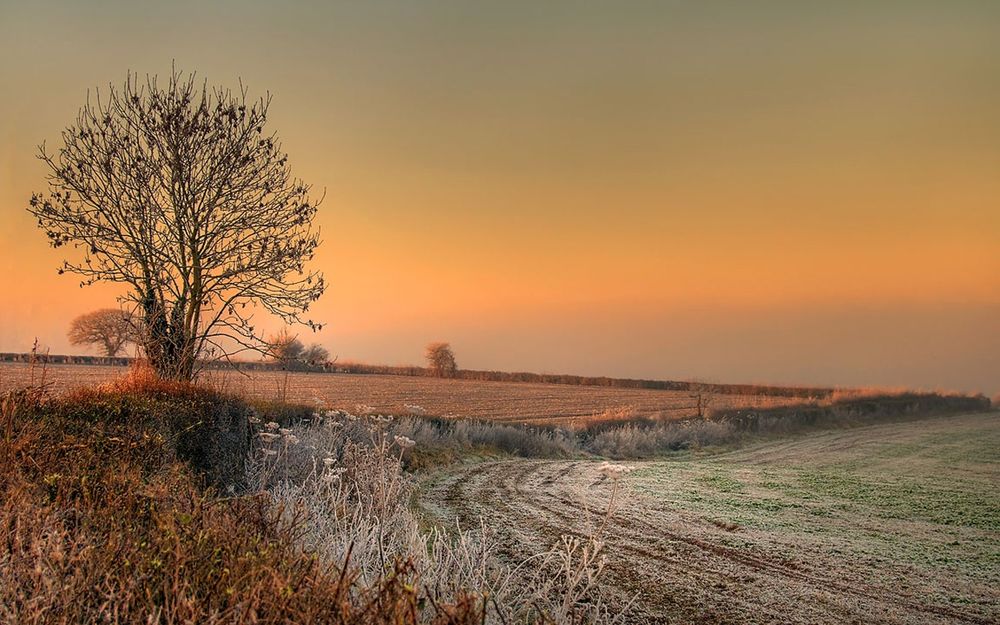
(675, 563)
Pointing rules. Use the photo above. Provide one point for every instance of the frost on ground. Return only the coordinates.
(345, 474)
(894, 523)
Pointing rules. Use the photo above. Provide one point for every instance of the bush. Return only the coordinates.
(645, 440)
(208, 430)
(285, 414)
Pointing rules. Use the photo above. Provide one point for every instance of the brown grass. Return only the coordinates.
(101, 521)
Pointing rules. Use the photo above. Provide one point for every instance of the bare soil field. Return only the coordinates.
(519, 402)
(882, 524)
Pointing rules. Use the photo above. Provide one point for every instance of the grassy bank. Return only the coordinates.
(111, 513)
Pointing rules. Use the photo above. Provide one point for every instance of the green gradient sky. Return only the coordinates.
(744, 191)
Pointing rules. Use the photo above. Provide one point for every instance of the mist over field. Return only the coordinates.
(769, 193)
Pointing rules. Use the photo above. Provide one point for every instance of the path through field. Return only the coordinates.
(884, 524)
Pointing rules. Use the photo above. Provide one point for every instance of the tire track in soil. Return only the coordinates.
(678, 572)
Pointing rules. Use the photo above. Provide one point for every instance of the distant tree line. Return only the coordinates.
(64, 359)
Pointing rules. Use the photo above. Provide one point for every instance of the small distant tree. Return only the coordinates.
(108, 328)
(315, 354)
(285, 347)
(441, 359)
(704, 397)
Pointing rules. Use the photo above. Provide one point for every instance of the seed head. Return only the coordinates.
(614, 471)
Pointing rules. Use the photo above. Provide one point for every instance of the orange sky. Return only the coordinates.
(780, 193)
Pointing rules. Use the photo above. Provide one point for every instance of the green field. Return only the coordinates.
(893, 523)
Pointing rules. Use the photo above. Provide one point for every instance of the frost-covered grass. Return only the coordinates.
(922, 493)
(123, 504)
(344, 473)
(892, 523)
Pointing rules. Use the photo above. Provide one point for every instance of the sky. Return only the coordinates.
(783, 192)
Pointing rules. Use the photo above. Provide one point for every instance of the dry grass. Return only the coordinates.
(346, 474)
(622, 435)
(105, 518)
(102, 521)
(130, 502)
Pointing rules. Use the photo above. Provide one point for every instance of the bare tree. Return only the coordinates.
(108, 328)
(316, 354)
(180, 193)
(441, 359)
(285, 347)
(704, 397)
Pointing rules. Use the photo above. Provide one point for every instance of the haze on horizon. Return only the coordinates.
(785, 192)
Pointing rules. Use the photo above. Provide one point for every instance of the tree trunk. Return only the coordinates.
(168, 343)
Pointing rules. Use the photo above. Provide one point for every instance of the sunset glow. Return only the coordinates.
(771, 193)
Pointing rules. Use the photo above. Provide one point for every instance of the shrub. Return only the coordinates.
(285, 414)
(634, 440)
(208, 430)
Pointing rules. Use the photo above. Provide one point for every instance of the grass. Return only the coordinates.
(924, 494)
(151, 501)
(445, 440)
(143, 500)
(105, 518)
(885, 523)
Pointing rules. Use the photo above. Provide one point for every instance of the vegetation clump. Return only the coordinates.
(441, 360)
(102, 520)
(146, 500)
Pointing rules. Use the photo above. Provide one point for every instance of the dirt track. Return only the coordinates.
(791, 564)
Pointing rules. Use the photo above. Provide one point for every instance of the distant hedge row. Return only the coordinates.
(853, 411)
(58, 359)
